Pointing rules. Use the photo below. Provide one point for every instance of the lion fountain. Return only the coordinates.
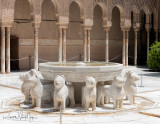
(37, 91)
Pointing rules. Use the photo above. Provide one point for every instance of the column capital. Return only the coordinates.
(107, 24)
(136, 26)
(125, 24)
(36, 24)
(148, 27)
(63, 22)
(2, 24)
(155, 27)
(62, 25)
(87, 27)
(125, 28)
(87, 22)
(136, 29)
(6, 24)
(107, 29)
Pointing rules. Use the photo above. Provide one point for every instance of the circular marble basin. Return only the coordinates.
(77, 71)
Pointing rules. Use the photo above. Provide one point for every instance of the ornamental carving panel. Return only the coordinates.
(8, 10)
(62, 8)
(100, 1)
(151, 4)
(88, 5)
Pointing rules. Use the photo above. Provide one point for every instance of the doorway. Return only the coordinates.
(14, 53)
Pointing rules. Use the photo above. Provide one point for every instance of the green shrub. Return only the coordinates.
(154, 56)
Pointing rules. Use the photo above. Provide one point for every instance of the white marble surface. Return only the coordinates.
(76, 74)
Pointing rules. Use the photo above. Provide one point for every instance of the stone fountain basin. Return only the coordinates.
(77, 71)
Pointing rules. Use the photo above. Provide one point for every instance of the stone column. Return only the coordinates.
(85, 45)
(36, 28)
(123, 48)
(3, 50)
(88, 46)
(148, 36)
(8, 51)
(156, 31)
(107, 46)
(126, 49)
(135, 47)
(158, 35)
(60, 44)
(64, 45)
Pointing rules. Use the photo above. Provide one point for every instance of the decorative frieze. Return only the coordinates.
(86, 6)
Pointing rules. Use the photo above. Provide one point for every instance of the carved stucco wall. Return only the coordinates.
(48, 27)
(86, 7)
(48, 32)
(76, 22)
(22, 29)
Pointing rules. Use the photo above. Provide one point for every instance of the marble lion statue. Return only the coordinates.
(62, 93)
(116, 92)
(26, 86)
(102, 94)
(32, 87)
(36, 91)
(130, 87)
(89, 94)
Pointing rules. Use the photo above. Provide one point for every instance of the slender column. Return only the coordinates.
(107, 46)
(123, 49)
(60, 44)
(3, 50)
(148, 35)
(8, 51)
(64, 45)
(156, 30)
(126, 49)
(158, 35)
(88, 46)
(85, 45)
(36, 47)
(135, 48)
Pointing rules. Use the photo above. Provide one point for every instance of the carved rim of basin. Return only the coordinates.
(77, 71)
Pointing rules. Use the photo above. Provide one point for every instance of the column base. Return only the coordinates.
(36, 69)
(8, 72)
(3, 72)
(107, 61)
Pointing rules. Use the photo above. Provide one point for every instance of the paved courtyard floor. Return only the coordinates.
(146, 110)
